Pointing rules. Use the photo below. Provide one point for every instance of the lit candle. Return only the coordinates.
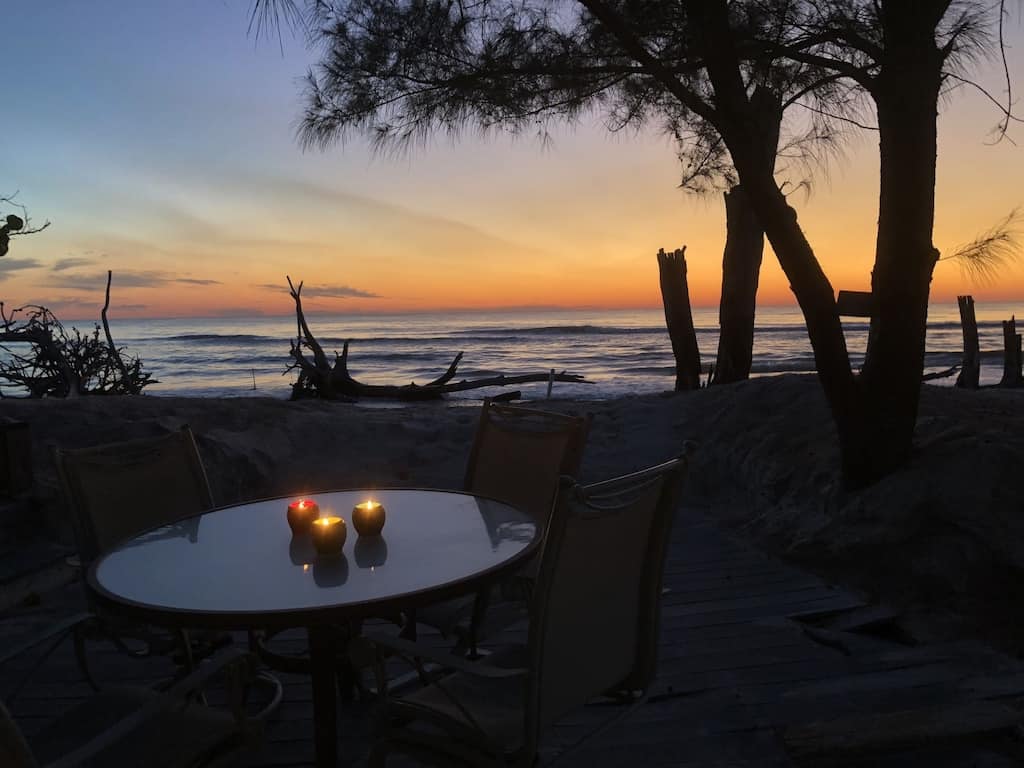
(368, 518)
(301, 515)
(328, 535)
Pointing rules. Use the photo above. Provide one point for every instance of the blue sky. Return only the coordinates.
(159, 138)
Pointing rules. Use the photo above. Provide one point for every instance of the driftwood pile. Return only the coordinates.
(58, 363)
(320, 378)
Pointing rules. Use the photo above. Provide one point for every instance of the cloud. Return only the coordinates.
(125, 279)
(194, 281)
(72, 262)
(14, 265)
(89, 309)
(327, 291)
(378, 215)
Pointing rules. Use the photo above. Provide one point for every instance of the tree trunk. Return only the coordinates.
(1011, 354)
(741, 267)
(675, 295)
(741, 126)
(970, 371)
(906, 94)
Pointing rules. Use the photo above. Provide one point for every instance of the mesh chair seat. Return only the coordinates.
(132, 726)
(153, 486)
(594, 624)
(104, 485)
(494, 724)
(189, 734)
(518, 455)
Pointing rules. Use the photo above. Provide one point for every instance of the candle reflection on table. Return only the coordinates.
(330, 571)
(370, 552)
(301, 550)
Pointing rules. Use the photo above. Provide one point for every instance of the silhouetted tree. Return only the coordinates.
(707, 67)
(14, 224)
(401, 70)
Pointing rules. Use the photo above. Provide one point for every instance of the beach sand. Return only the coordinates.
(942, 540)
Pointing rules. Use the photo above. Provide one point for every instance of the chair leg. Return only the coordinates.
(83, 659)
(480, 603)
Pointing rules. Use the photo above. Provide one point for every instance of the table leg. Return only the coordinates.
(322, 656)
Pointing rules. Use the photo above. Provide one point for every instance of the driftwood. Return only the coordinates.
(1011, 355)
(320, 378)
(59, 363)
(942, 374)
(675, 295)
(970, 374)
(48, 370)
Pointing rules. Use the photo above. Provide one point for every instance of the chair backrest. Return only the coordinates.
(519, 454)
(595, 612)
(14, 751)
(119, 490)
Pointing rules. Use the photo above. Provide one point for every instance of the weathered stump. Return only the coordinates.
(675, 295)
(970, 372)
(1011, 355)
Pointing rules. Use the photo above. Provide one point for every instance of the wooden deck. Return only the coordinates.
(761, 665)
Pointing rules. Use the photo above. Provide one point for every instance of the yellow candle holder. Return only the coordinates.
(329, 535)
(301, 515)
(368, 518)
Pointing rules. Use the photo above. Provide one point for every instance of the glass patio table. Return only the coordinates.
(239, 567)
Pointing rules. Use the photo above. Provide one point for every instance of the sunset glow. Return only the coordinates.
(162, 147)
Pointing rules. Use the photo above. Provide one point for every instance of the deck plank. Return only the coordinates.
(755, 670)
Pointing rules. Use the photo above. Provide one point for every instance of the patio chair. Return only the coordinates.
(120, 490)
(518, 455)
(594, 619)
(136, 726)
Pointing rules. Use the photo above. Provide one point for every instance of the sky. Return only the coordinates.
(158, 138)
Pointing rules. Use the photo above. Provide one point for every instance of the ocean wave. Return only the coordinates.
(222, 338)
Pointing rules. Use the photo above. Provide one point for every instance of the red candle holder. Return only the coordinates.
(301, 515)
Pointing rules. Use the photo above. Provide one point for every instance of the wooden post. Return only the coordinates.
(970, 372)
(675, 295)
(1011, 354)
(551, 382)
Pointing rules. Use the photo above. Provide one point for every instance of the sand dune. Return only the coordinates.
(942, 539)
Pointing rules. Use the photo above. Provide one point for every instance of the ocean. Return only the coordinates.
(619, 351)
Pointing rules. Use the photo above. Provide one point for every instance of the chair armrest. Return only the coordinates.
(447, 660)
(63, 626)
(161, 702)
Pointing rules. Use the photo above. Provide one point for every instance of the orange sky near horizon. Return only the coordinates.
(199, 200)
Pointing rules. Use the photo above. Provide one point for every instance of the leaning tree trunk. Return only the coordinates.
(906, 93)
(741, 267)
(739, 124)
(744, 250)
(675, 295)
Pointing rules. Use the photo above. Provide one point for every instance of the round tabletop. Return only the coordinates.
(241, 566)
